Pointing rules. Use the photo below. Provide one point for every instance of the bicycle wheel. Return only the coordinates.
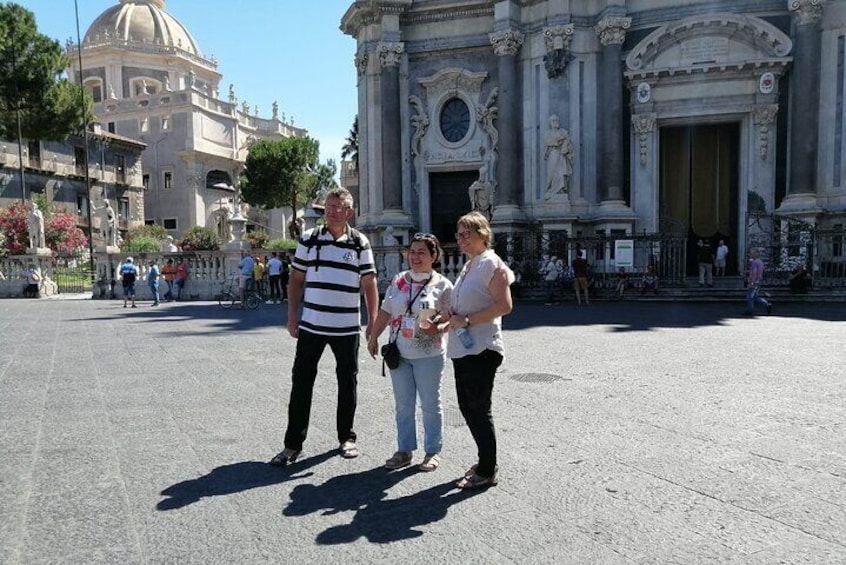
(227, 299)
(253, 301)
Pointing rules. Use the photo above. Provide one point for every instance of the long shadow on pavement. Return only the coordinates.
(376, 519)
(237, 477)
(645, 316)
(210, 315)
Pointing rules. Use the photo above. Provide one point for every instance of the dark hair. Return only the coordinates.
(432, 244)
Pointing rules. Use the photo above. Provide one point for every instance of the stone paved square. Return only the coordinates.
(629, 433)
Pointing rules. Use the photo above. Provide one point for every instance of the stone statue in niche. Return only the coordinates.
(481, 193)
(559, 159)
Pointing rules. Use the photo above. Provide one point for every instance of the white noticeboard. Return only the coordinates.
(624, 252)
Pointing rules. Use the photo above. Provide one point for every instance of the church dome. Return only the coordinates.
(141, 21)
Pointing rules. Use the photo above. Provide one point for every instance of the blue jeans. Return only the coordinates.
(420, 377)
(154, 288)
(169, 294)
(753, 298)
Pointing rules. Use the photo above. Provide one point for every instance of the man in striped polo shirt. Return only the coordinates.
(333, 265)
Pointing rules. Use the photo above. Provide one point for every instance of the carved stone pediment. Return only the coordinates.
(710, 40)
(453, 80)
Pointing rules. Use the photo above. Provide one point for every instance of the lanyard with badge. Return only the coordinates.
(409, 321)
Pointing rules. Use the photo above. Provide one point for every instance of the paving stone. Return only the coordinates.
(142, 437)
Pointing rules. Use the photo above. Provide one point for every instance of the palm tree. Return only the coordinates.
(350, 148)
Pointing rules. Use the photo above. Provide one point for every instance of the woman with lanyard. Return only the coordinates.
(482, 295)
(414, 298)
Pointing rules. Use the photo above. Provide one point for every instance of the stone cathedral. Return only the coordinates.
(600, 116)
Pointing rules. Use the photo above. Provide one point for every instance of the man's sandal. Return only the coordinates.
(475, 482)
(349, 450)
(284, 457)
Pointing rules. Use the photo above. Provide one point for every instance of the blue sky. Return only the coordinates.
(290, 51)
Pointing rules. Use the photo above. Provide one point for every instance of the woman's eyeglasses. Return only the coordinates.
(463, 234)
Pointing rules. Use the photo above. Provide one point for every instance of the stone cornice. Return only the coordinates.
(775, 65)
(612, 30)
(448, 14)
(367, 12)
(806, 11)
(506, 42)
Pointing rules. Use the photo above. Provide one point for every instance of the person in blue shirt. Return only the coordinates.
(128, 273)
(245, 267)
(153, 281)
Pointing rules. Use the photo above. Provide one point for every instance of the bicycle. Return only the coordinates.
(230, 295)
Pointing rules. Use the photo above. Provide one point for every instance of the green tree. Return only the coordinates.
(326, 178)
(350, 148)
(283, 172)
(31, 83)
(200, 238)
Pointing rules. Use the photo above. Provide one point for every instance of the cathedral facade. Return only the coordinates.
(151, 82)
(600, 117)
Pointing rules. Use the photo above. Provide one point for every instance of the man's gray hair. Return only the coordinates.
(341, 193)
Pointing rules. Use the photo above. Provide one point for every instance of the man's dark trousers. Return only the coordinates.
(310, 347)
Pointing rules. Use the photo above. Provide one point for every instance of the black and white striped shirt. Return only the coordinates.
(333, 269)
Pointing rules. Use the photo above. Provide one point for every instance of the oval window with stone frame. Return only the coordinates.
(455, 120)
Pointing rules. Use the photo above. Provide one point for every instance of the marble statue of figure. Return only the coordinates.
(35, 225)
(224, 228)
(559, 159)
(481, 193)
(232, 97)
(275, 110)
(108, 223)
(166, 83)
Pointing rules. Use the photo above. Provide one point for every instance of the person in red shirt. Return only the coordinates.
(181, 277)
(169, 272)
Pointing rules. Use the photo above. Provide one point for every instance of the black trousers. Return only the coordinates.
(275, 289)
(310, 348)
(474, 380)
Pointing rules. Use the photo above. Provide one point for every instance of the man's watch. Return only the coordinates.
(467, 321)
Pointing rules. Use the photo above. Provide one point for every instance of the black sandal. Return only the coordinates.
(475, 482)
(284, 457)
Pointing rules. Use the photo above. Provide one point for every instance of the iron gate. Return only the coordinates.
(72, 273)
(785, 243)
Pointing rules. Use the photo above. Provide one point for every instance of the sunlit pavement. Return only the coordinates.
(628, 433)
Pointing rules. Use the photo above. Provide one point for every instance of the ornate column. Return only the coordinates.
(390, 55)
(805, 97)
(506, 44)
(612, 33)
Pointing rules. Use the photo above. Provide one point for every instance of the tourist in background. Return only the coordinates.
(705, 257)
(246, 267)
(153, 281)
(169, 273)
(754, 279)
(580, 276)
(480, 298)
(181, 276)
(274, 273)
(128, 274)
(412, 300)
(720, 261)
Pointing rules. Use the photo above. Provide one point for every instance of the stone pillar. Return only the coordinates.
(506, 45)
(805, 96)
(612, 33)
(390, 55)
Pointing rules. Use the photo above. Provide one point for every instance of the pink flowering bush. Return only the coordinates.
(60, 230)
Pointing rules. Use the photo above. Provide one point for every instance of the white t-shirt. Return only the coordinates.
(412, 343)
(722, 252)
